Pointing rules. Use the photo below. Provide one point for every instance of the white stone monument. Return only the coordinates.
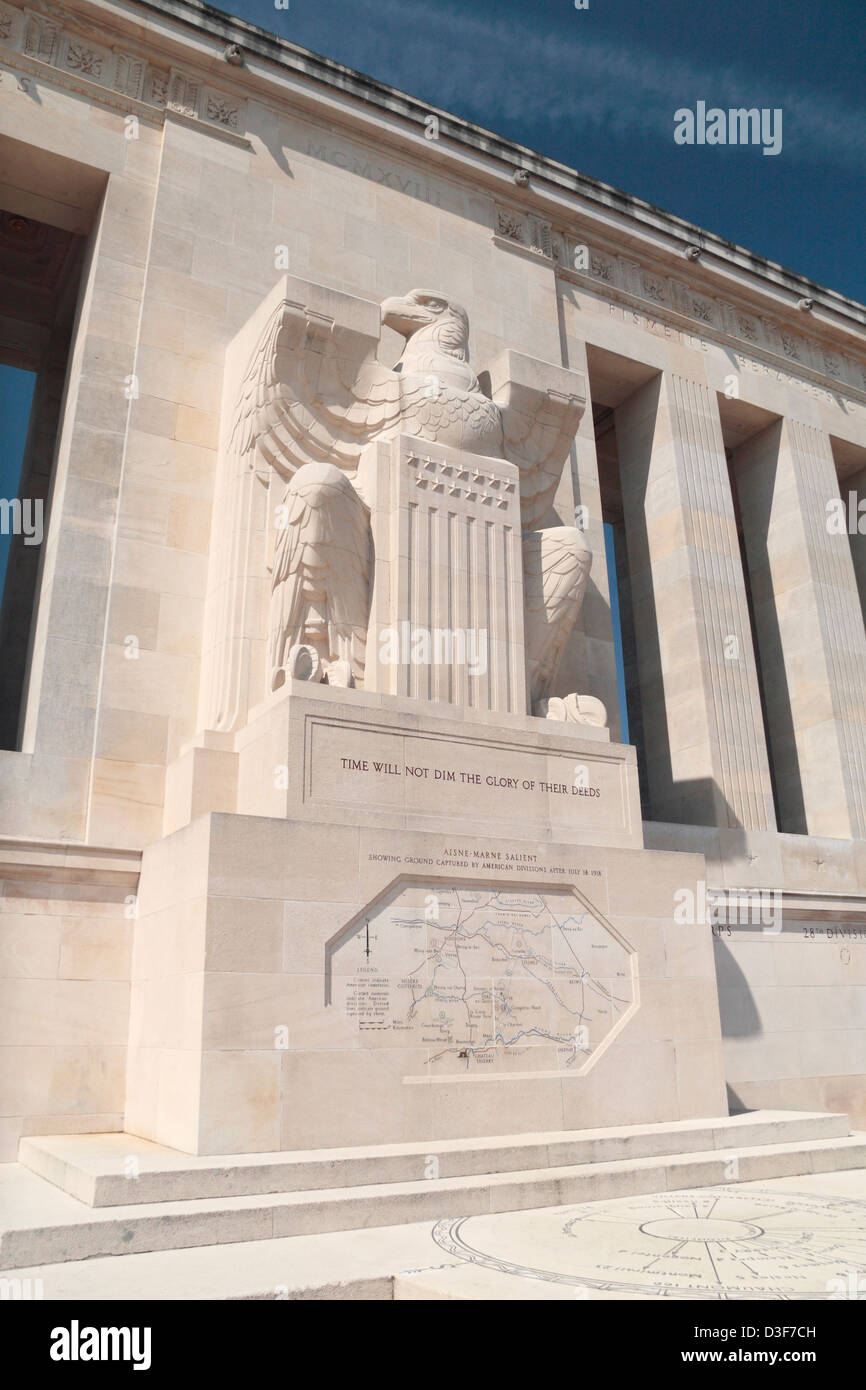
(319, 824)
(386, 612)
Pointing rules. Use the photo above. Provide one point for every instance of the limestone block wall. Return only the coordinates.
(792, 998)
(793, 1010)
(65, 949)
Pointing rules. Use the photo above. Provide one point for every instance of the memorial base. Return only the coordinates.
(305, 984)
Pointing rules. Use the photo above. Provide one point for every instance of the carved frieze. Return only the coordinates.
(38, 31)
(86, 58)
(654, 288)
(629, 277)
(702, 309)
(129, 74)
(156, 87)
(571, 253)
(661, 293)
(182, 93)
(532, 233)
(832, 362)
(510, 224)
(220, 109)
(602, 267)
(40, 37)
(11, 24)
(40, 34)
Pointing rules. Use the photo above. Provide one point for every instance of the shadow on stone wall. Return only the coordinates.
(739, 1013)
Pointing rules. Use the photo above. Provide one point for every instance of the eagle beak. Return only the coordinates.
(404, 316)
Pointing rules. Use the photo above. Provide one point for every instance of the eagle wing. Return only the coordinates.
(556, 565)
(541, 408)
(323, 546)
(313, 391)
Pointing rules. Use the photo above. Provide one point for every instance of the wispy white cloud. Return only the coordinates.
(505, 65)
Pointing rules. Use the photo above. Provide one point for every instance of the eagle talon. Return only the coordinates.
(302, 664)
(339, 673)
(572, 709)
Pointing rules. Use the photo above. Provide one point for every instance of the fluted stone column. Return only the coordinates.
(810, 629)
(706, 759)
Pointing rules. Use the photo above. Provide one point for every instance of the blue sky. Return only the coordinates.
(598, 89)
(16, 394)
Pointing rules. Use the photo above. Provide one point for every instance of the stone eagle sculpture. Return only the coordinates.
(308, 405)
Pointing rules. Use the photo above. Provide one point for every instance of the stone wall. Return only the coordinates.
(793, 1010)
(66, 923)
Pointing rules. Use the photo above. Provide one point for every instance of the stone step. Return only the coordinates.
(45, 1225)
(342, 1265)
(473, 1285)
(404, 1262)
(105, 1170)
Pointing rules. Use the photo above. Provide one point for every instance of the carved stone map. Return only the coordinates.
(481, 978)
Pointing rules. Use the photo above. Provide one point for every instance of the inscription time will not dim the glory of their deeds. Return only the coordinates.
(455, 775)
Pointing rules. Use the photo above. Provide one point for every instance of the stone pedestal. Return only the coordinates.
(406, 923)
(303, 984)
(321, 753)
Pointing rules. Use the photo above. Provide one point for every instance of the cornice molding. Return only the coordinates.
(795, 906)
(727, 294)
(46, 41)
(207, 21)
(68, 861)
(652, 290)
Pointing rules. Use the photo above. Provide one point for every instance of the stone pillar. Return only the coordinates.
(706, 753)
(79, 616)
(809, 627)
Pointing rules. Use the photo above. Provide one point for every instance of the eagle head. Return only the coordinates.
(446, 322)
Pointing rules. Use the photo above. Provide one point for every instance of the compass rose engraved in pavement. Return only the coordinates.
(714, 1243)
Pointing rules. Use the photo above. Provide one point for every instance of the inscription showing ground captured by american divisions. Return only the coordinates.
(483, 979)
